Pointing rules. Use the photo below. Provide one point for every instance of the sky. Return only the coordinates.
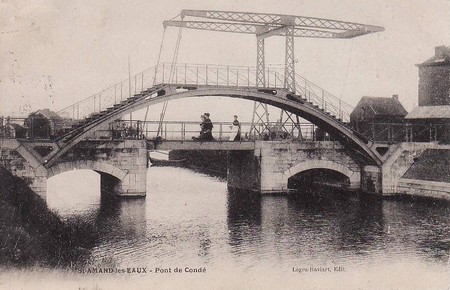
(54, 53)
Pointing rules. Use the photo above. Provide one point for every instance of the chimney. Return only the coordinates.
(395, 97)
(440, 52)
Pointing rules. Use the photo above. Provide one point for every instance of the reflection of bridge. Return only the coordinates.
(261, 162)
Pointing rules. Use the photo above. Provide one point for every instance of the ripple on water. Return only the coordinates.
(190, 218)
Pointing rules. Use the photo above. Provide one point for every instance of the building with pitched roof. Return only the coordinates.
(378, 110)
(43, 124)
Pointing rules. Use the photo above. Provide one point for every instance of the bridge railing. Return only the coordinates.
(203, 74)
(188, 131)
(323, 99)
(41, 128)
(189, 74)
(216, 75)
(402, 132)
(110, 96)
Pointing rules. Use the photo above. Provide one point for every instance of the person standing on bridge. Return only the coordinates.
(207, 127)
(236, 129)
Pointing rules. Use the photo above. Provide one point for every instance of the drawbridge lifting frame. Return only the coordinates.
(264, 25)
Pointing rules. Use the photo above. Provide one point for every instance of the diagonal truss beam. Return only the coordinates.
(299, 21)
(259, 29)
(264, 25)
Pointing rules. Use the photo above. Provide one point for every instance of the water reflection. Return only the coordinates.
(126, 216)
(193, 219)
(421, 225)
(243, 218)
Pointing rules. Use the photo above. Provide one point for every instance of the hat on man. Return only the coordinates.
(206, 114)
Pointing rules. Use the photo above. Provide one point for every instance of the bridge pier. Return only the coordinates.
(268, 168)
(372, 180)
(122, 165)
(244, 170)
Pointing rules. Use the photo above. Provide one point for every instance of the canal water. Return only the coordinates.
(190, 221)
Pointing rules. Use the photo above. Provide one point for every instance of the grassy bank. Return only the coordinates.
(32, 234)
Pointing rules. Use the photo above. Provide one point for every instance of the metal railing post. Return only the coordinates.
(217, 76)
(430, 132)
(183, 133)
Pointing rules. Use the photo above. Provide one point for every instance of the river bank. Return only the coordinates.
(31, 234)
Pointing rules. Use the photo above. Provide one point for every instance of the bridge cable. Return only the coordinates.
(156, 70)
(159, 56)
(171, 76)
(160, 51)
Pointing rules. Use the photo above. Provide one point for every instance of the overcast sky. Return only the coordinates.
(53, 53)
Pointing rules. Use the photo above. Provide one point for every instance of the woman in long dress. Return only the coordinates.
(235, 130)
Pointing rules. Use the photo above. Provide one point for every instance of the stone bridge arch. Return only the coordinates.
(113, 180)
(97, 166)
(352, 175)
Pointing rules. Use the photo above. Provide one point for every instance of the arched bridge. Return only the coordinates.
(123, 162)
(216, 81)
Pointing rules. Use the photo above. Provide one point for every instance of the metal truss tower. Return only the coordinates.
(264, 25)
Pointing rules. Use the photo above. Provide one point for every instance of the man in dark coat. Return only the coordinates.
(205, 129)
(207, 126)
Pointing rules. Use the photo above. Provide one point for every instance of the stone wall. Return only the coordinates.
(371, 180)
(400, 161)
(244, 171)
(434, 85)
(424, 188)
(22, 163)
(122, 164)
(281, 160)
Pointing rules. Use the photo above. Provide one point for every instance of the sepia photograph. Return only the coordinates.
(225, 144)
